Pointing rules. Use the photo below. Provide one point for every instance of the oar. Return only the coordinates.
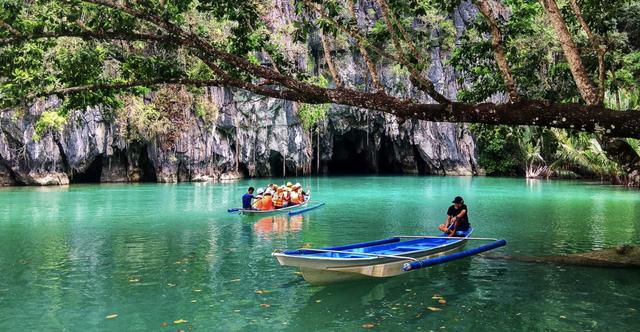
(446, 237)
(452, 257)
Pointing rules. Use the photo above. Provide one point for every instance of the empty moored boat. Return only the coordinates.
(378, 259)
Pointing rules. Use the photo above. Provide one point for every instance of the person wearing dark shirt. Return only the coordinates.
(246, 199)
(457, 218)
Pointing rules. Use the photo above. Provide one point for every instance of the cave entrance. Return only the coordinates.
(387, 161)
(350, 155)
(146, 166)
(91, 174)
(275, 163)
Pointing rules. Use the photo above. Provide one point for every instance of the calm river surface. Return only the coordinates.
(157, 255)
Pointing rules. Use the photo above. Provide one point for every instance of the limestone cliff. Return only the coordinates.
(252, 135)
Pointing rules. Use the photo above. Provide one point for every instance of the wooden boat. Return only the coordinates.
(378, 259)
(291, 210)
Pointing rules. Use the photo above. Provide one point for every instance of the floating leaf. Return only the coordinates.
(171, 285)
(180, 321)
(442, 301)
(134, 279)
(434, 309)
(563, 317)
(368, 325)
(318, 301)
(264, 305)
(262, 291)
(197, 290)
(112, 316)
(235, 280)
(194, 301)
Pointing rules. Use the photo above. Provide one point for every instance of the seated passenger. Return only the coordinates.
(278, 198)
(267, 201)
(457, 218)
(295, 196)
(257, 203)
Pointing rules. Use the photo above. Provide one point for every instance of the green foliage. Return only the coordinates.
(206, 110)
(49, 121)
(498, 150)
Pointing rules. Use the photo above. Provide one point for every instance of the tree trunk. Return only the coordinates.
(571, 53)
(496, 43)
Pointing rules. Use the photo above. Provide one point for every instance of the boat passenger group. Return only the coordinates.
(274, 197)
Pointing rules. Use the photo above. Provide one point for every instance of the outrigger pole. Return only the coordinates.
(448, 258)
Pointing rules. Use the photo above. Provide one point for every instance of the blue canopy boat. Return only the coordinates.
(378, 259)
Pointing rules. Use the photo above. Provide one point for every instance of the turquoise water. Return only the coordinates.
(156, 254)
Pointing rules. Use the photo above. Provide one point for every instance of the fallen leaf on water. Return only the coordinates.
(368, 325)
(237, 310)
(563, 317)
(112, 316)
(434, 309)
(171, 285)
(194, 301)
(318, 301)
(197, 290)
(179, 321)
(133, 280)
(235, 280)
(264, 305)
(164, 324)
(262, 291)
(442, 301)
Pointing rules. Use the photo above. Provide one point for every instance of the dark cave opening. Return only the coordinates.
(275, 163)
(91, 174)
(423, 167)
(147, 167)
(351, 155)
(387, 163)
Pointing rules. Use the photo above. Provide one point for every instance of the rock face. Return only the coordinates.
(252, 135)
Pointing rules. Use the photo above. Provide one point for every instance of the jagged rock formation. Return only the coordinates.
(252, 136)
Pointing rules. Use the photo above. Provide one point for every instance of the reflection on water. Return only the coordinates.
(267, 227)
(157, 254)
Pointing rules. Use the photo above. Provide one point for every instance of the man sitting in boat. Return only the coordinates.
(246, 199)
(457, 218)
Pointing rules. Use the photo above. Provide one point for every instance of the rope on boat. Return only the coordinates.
(452, 257)
(293, 213)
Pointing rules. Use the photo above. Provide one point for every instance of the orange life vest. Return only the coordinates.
(267, 203)
(295, 197)
(278, 201)
(258, 204)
